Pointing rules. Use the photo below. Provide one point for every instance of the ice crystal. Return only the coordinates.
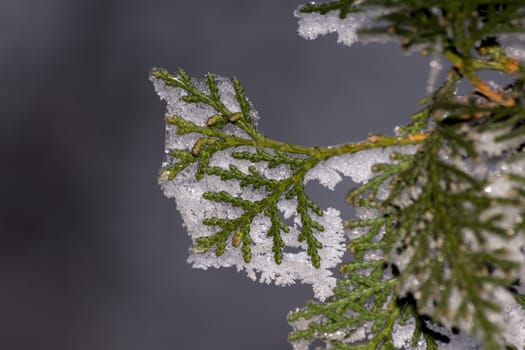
(356, 166)
(311, 25)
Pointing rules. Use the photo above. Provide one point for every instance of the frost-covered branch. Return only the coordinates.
(437, 244)
(236, 188)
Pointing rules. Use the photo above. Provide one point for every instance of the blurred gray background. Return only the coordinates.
(92, 256)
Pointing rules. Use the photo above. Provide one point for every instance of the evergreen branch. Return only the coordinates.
(308, 224)
(433, 25)
(435, 106)
(439, 244)
(434, 224)
(464, 202)
(456, 25)
(372, 187)
(274, 231)
(274, 160)
(363, 311)
(254, 178)
(185, 159)
(293, 188)
(227, 131)
(225, 197)
(213, 99)
(518, 181)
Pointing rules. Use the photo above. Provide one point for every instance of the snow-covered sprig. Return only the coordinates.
(448, 240)
(344, 17)
(438, 243)
(282, 180)
(408, 213)
(242, 195)
(427, 24)
(471, 145)
(364, 312)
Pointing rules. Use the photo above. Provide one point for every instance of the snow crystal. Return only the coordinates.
(188, 194)
(311, 25)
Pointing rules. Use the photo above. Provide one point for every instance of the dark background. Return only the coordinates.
(92, 256)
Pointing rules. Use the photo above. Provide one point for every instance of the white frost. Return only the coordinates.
(296, 265)
(187, 192)
(311, 25)
(357, 166)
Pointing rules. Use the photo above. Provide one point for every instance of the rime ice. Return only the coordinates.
(188, 194)
(357, 166)
(492, 167)
(296, 265)
(311, 25)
